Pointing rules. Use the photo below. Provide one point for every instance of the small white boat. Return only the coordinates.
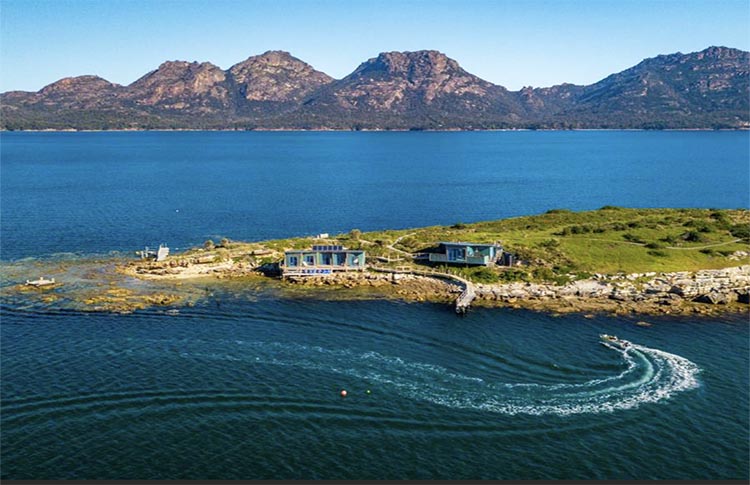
(41, 282)
(611, 339)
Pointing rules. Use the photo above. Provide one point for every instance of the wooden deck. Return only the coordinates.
(464, 300)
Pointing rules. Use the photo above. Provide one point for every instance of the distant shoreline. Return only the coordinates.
(399, 130)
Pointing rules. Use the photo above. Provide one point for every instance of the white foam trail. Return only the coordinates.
(650, 375)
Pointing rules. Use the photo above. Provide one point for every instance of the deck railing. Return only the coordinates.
(443, 258)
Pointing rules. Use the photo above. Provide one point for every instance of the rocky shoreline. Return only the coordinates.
(173, 283)
(700, 292)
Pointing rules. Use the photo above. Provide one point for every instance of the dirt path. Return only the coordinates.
(398, 240)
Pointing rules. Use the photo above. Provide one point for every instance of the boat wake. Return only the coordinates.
(645, 375)
(649, 376)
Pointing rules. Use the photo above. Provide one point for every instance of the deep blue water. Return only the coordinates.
(246, 383)
(251, 390)
(98, 192)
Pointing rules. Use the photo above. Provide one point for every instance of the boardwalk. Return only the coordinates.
(464, 300)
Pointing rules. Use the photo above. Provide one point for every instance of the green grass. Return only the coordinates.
(560, 243)
(608, 240)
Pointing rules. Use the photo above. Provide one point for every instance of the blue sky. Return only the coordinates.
(512, 43)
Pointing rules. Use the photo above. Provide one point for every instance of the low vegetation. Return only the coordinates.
(559, 245)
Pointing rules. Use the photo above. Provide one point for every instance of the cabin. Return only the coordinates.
(466, 253)
(322, 260)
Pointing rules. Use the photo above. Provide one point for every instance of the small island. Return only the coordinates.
(612, 260)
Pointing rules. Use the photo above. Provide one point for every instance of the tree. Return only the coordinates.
(355, 234)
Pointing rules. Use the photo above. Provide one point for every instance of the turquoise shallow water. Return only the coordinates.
(246, 385)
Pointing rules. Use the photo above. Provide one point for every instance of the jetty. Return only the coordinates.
(464, 300)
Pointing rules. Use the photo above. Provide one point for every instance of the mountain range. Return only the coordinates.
(421, 90)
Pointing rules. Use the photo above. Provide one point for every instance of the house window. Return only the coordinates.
(309, 260)
(327, 259)
(455, 254)
(292, 261)
(340, 259)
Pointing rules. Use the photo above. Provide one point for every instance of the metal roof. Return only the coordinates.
(446, 243)
(293, 251)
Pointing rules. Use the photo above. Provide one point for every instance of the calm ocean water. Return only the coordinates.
(98, 192)
(246, 384)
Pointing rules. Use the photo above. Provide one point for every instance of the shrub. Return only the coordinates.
(707, 251)
(700, 226)
(459, 225)
(355, 234)
(693, 236)
(657, 253)
(580, 229)
(224, 242)
(740, 231)
(610, 208)
(632, 238)
(559, 211)
(484, 275)
(565, 269)
(544, 274)
(655, 245)
(209, 244)
(721, 220)
(513, 275)
(550, 243)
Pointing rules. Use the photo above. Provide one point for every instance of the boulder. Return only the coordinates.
(712, 298)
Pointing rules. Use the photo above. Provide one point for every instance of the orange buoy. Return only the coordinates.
(343, 393)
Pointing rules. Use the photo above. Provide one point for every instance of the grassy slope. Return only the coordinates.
(560, 242)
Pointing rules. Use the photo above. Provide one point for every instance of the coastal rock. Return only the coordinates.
(713, 298)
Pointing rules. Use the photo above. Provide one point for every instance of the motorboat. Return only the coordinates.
(613, 340)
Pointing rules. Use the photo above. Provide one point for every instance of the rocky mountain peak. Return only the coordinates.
(395, 80)
(179, 83)
(415, 64)
(408, 90)
(720, 52)
(276, 76)
(276, 58)
(181, 70)
(77, 84)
